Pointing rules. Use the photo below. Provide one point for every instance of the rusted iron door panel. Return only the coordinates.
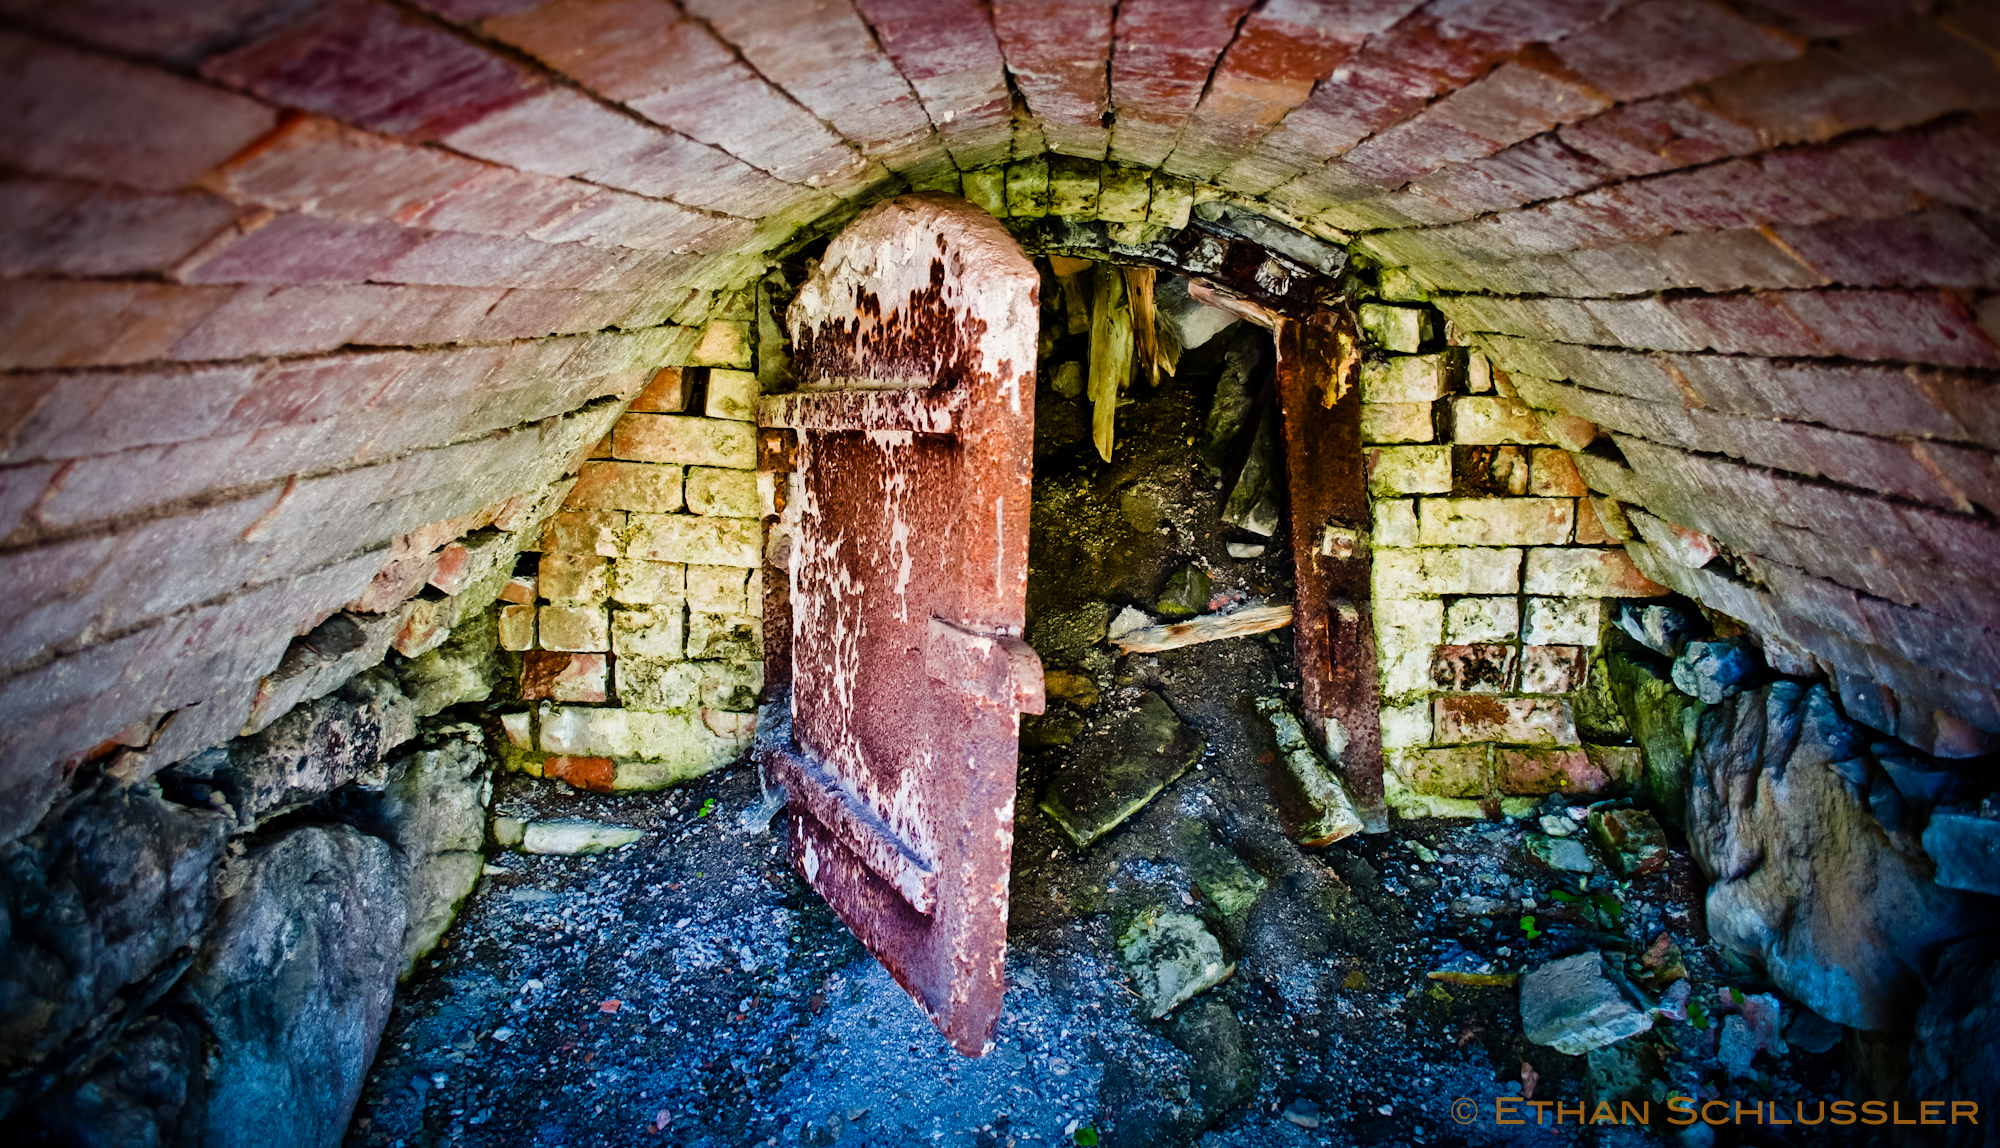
(1326, 474)
(905, 535)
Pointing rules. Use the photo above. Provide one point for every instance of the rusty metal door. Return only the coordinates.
(905, 530)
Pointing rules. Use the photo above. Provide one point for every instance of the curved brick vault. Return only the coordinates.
(297, 293)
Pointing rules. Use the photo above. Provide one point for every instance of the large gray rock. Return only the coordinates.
(1966, 849)
(308, 753)
(96, 899)
(1235, 398)
(1663, 720)
(136, 1095)
(1844, 915)
(432, 809)
(294, 983)
(1955, 1056)
(1576, 1004)
(463, 669)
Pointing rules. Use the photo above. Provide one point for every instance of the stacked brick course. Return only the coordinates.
(1492, 578)
(640, 630)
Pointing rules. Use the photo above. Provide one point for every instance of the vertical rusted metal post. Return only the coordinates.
(1326, 473)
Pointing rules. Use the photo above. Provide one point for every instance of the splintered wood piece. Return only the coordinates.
(1207, 628)
(1110, 354)
(1145, 336)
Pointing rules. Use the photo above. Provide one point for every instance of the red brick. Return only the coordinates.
(1885, 78)
(1463, 718)
(1661, 135)
(70, 113)
(64, 323)
(947, 51)
(824, 57)
(1530, 772)
(555, 132)
(367, 63)
(260, 320)
(1163, 53)
(614, 47)
(1058, 54)
(701, 175)
(1535, 169)
(1905, 326)
(298, 249)
(1658, 46)
(1509, 104)
(328, 169)
(1930, 249)
(415, 316)
(70, 228)
(1484, 668)
(592, 773)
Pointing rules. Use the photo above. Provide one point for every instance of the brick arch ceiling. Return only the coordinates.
(293, 289)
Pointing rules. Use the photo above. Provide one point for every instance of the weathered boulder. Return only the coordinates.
(1565, 854)
(137, 1095)
(1333, 815)
(1804, 876)
(1578, 1004)
(1661, 628)
(433, 810)
(98, 898)
(294, 983)
(1224, 1072)
(1631, 839)
(1186, 592)
(463, 669)
(307, 754)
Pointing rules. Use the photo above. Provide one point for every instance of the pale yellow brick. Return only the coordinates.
(697, 540)
(1470, 620)
(1394, 470)
(685, 439)
(732, 395)
(724, 343)
(1407, 379)
(1395, 522)
(722, 493)
(717, 589)
(573, 578)
(987, 187)
(657, 632)
(1123, 195)
(1581, 573)
(573, 629)
(1399, 329)
(517, 627)
(1396, 422)
(1496, 521)
(1406, 631)
(725, 637)
(1406, 725)
(627, 486)
(731, 686)
(655, 685)
(1489, 420)
(1447, 570)
(638, 582)
(1564, 622)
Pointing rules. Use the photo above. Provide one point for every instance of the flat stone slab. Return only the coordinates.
(569, 837)
(1573, 1006)
(1564, 853)
(1120, 766)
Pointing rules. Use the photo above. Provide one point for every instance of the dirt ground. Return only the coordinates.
(691, 990)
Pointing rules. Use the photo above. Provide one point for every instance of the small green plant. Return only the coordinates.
(1528, 928)
(707, 807)
(1697, 1014)
(1735, 994)
(1600, 910)
(1086, 1137)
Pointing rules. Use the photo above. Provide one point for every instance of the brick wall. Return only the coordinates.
(640, 628)
(291, 298)
(1493, 582)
